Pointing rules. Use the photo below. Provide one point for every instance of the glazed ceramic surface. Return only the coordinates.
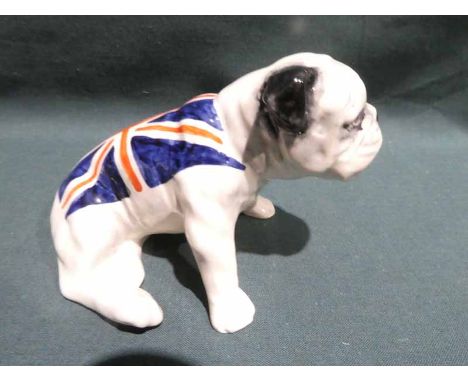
(193, 170)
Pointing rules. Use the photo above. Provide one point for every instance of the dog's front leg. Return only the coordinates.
(209, 229)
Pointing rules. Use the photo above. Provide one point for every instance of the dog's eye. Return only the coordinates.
(356, 124)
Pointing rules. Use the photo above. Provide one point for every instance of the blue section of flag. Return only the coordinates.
(160, 159)
(80, 169)
(108, 188)
(202, 110)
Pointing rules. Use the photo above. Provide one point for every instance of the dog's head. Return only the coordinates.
(316, 108)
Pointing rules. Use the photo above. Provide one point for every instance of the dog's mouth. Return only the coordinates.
(360, 153)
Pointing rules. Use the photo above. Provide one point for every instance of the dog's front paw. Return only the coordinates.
(262, 209)
(231, 311)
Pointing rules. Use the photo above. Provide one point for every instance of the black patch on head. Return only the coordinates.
(285, 99)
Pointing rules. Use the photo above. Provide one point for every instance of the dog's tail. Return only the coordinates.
(61, 236)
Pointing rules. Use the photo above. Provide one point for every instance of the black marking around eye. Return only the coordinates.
(356, 124)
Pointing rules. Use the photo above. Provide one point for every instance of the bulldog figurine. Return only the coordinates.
(193, 170)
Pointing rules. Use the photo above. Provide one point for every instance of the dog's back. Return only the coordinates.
(146, 155)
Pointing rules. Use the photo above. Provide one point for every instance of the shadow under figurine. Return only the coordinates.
(194, 170)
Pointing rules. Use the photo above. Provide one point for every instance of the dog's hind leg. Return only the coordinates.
(112, 287)
(101, 269)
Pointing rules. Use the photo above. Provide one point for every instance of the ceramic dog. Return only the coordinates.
(194, 170)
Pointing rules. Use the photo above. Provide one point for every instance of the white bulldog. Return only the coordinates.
(194, 170)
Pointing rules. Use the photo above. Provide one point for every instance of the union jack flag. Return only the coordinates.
(147, 154)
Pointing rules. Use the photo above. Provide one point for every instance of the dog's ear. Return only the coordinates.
(286, 97)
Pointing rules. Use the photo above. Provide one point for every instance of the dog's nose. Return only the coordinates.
(373, 112)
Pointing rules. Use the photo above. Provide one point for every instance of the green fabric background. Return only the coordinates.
(370, 272)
